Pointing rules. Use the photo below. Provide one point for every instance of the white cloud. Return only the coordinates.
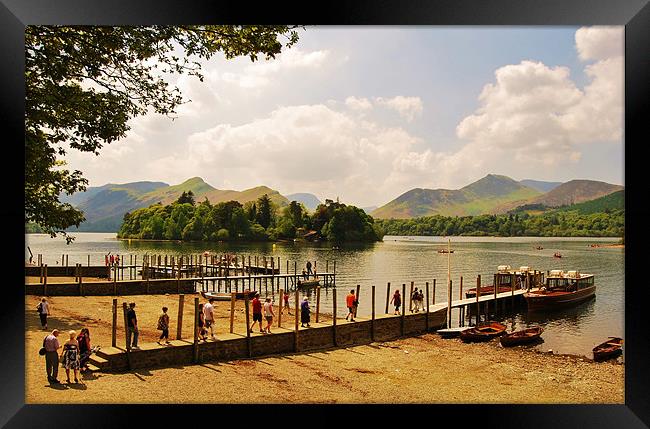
(535, 114)
(407, 107)
(599, 43)
(355, 103)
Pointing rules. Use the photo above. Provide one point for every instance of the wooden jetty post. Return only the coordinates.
(81, 288)
(401, 328)
(433, 301)
(334, 275)
(513, 279)
(496, 289)
(357, 298)
(449, 304)
(126, 336)
(295, 275)
(461, 309)
(372, 319)
(88, 260)
(114, 280)
(248, 329)
(410, 299)
(114, 330)
(179, 328)
(280, 308)
(426, 318)
(317, 302)
(233, 296)
(387, 296)
(478, 295)
(196, 329)
(333, 315)
(295, 335)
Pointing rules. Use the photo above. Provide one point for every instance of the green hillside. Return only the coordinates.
(480, 197)
(608, 203)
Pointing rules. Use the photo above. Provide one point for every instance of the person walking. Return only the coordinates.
(309, 271)
(349, 302)
(132, 324)
(268, 314)
(421, 300)
(43, 309)
(286, 302)
(163, 325)
(208, 311)
(415, 299)
(70, 356)
(201, 327)
(257, 312)
(52, 346)
(83, 340)
(397, 300)
(305, 313)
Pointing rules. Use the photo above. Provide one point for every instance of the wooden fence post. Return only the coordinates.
(372, 320)
(387, 296)
(427, 313)
(401, 320)
(45, 280)
(433, 301)
(196, 326)
(248, 330)
(334, 315)
(81, 288)
(410, 299)
(317, 302)
(357, 299)
(295, 335)
(233, 297)
(179, 328)
(114, 330)
(478, 295)
(280, 308)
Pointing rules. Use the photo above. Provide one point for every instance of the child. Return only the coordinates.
(397, 299)
(286, 302)
(163, 325)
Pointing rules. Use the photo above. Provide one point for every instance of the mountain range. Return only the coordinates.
(104, 206)
(493, 194)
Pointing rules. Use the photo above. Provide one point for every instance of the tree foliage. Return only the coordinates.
(84, 83)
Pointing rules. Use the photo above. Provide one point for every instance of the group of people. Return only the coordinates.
(74, 356)
(111, 260)
(417, 298)
(269, 314)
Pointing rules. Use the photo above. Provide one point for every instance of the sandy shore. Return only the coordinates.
(423, 369)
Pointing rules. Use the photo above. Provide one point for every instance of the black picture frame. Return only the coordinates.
(634, 14)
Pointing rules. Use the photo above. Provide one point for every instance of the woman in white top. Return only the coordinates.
(268, 313)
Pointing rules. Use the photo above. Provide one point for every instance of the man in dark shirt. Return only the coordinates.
(132, 323)
(309, 271)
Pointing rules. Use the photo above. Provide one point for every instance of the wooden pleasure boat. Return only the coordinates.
(445, 251)
(524, 336)
(308, 283)
(483, 332)
(610, 348)
(562, 289)
(504, 278)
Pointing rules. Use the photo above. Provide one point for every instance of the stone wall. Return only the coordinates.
(124, 287)
(317, 338)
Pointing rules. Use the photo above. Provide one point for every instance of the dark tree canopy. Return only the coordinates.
(84, 83)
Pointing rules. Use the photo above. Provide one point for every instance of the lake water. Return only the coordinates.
(404, 259)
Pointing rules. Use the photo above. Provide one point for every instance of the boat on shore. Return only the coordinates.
(524, 336)
(451, 332)
(562, 289)
(609, 349)
(483, 332)
(225, 296)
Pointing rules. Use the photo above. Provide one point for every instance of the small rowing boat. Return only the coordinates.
(445, 251)
(524, 336)
(483, 332)
(451, 332)
(224, 296)
(608, 349)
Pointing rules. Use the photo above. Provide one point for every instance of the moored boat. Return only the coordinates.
(451, 332)
(610, 348)
(524, 336)
(562, 289)
(445, 251)
(504, 278)
(308, 283)
(483, 332)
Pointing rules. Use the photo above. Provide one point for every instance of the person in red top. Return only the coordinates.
(257, 312)
(350, 300)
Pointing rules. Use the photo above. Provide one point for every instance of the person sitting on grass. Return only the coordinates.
(257, 312)
(163, 325)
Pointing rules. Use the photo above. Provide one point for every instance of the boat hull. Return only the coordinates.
(483, 333)
(550, 300)
(526, 336)
(486, 290)
(223, 296)
(608, 349)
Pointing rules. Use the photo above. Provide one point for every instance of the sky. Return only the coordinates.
(368, 113)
